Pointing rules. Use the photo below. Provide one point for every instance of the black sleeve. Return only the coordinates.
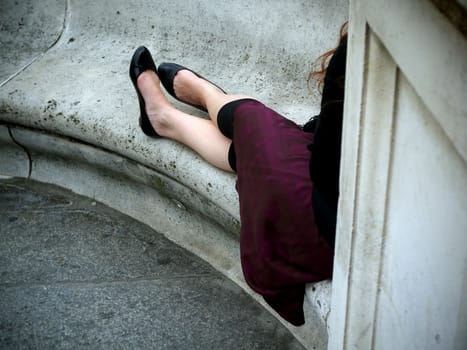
(326, 148)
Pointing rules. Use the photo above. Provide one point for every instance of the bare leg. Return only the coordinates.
(189, 87)
(199, 134)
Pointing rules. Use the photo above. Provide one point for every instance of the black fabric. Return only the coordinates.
(312, 125)
(325, 217)
(326, 147)
(232, 157)
(225, 116)
(225, 124)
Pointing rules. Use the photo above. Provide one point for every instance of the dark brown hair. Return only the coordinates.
(322, 61)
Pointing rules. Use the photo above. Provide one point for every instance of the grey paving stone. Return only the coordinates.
(52, 238)
(190, 313)
(75, 274)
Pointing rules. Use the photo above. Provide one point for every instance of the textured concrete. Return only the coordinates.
(77, 274)
(28, 29)
(14, 159)
(71, 111)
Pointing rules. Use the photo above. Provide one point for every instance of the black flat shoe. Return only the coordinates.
(167, 72)
(142, 61)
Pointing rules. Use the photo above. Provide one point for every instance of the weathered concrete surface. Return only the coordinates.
(77, 274)
(14, 159)
(28, 28)
(79, 88)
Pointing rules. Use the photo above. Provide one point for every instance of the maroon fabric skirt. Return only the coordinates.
(281, 248)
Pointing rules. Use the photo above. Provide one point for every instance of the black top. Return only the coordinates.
(326, 148)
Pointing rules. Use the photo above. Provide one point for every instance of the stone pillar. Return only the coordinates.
(400, 276)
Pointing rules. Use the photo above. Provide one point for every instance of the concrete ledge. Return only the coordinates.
(70, 114)
(14, 159)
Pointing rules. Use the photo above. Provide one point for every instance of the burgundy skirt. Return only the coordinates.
(281, 248)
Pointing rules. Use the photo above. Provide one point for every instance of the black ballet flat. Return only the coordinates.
(141, 62)
(167, 73)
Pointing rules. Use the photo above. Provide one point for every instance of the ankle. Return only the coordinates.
(209, 92)
(161, 119)
(190, 88)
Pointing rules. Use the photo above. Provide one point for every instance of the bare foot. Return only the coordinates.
(193, 89)
(158, 107)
